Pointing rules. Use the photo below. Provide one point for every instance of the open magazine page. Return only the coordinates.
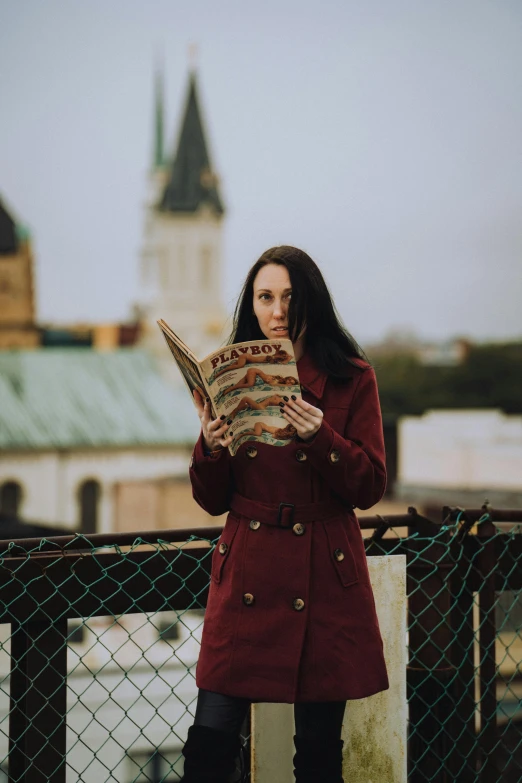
(168, 332)
(246, 383)
(189, 369)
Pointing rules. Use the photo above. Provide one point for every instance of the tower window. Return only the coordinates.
(89, 499)
(10, 498)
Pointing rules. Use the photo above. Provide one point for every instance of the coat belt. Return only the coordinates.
(285, 514)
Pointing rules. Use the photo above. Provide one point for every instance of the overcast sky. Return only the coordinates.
(384, 137)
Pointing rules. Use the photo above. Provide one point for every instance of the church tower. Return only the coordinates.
(17, 310)
(182, 263)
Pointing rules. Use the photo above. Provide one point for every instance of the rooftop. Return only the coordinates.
(64, 398)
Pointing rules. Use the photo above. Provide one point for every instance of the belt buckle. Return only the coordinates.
(280, 513)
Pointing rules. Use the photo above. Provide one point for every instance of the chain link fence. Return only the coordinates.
(100, 639)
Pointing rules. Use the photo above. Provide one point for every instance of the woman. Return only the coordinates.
(290, 614)
(279, 357)
(279, 433)
(250, 379)
(247, 403)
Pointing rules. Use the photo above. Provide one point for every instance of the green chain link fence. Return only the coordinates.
(100, 640)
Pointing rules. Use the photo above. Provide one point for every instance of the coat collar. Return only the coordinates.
(311, 377)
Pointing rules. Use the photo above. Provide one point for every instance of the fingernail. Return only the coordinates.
(294, 397)
(285, 399)
(229, 421)
(281, 405)
(222, 417)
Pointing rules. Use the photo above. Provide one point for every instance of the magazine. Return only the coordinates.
(245, 382)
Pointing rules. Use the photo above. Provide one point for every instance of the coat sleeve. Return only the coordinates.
(211, 479)
(354, 465)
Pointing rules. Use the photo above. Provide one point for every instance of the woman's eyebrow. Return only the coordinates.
(268, 290)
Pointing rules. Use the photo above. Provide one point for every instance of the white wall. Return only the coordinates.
(50, 480)
(135, 685)
(462, 449)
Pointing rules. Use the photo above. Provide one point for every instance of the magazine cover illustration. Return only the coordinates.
(246, 382)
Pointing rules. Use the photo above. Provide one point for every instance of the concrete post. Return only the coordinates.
(374, 729)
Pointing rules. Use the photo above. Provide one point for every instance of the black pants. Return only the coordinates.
(318, 721)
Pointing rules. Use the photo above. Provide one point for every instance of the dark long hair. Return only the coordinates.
(327, 340)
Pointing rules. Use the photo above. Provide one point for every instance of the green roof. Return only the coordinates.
(63, 398)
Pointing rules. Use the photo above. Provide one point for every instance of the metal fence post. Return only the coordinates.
(430, 669)
(38, 702)
(462, 726)
(487, 563)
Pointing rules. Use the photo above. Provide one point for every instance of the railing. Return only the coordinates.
(117, 706)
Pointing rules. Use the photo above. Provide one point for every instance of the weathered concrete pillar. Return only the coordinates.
(374, 729)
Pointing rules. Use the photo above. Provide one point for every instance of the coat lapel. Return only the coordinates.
(311, 377)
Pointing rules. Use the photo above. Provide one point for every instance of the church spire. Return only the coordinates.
(8, 236)
(191, 181)
(159, 158)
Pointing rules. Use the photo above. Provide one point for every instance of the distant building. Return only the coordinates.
(400, 342)
(159, 501)
(99, 336)
(182, 255)
(76, 422)
(460, 457)
(17, 310)
(93, 424)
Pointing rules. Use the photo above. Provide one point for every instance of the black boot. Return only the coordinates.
(318, 761)
(210, 755)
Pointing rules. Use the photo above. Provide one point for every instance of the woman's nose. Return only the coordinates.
(279, 309)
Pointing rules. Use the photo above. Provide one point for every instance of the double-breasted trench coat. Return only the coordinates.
(291, 614)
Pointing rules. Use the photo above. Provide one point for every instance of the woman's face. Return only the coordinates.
(272, 292)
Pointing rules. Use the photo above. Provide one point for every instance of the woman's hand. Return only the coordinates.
(213, 430)
(306, 419)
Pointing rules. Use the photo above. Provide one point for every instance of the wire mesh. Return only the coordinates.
(99, 645)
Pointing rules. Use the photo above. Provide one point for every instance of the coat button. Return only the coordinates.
(248, 599)
(298, 604)
(339, 555)
(255, 524)
(299, 529)
(335, 456)
(300, 456)
(223, 548)
(251, 452)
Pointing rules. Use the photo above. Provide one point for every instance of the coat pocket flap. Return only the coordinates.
(341, 552)
(223, 547)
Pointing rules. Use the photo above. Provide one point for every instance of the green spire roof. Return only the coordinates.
(191, 181)
(159, 159)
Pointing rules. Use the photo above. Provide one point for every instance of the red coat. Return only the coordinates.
(291, 614)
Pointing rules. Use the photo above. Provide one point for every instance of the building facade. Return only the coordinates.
(17, 307)
(460, 457)
(75, 422)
